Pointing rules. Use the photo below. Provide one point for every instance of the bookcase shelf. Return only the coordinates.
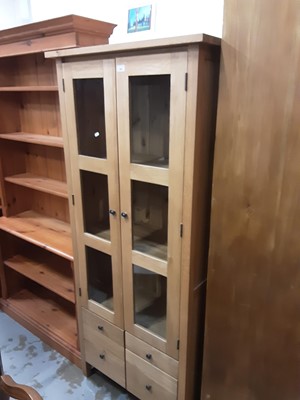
(45, 140)
(47, 318)
(41, 183)
(28, 88)
(42, 231)
(36, 257)
(45, 274)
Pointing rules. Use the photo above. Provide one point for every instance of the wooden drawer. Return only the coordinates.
(107, 357)
(104, 348)
(148, 382)
(95, 326)
(151, 355)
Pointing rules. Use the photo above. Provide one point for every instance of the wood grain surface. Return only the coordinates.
(253, 302)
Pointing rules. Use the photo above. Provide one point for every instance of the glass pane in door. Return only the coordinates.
(100, 284)
(90, 117)
(94, 188)
(150, 300)
(150, 219)
(149, 119)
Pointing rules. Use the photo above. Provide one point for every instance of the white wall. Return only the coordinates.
(170, 18)
(14, 13)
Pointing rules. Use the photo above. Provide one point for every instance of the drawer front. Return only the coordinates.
(148, 382)
(151, 355)
(104, 346)
(107, 357)
(95, 326)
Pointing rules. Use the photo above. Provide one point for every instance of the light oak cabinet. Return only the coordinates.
(139, 122)
(36, 269)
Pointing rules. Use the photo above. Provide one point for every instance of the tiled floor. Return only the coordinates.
(30, 361)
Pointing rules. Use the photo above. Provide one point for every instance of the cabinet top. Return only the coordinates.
(62, 32)
(200, 38)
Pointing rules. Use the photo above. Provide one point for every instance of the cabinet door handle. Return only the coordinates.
(102, 356)
(112, 212)
(148, 356)
(148, 387)
(124, 214)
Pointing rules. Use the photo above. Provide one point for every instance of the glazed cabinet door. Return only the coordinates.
(151, 100)
(90, 102)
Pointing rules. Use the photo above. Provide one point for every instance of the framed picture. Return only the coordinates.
(139, 19)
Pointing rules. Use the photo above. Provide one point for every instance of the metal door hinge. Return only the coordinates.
(186, 82)
(79, 291)
(63, 85)
(178, 344)
(73, 199)
(181, 230)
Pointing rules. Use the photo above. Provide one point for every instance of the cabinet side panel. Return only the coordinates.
(253, 302)
(201, 117)
(71, 212)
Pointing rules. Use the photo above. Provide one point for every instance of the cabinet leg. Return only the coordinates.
(86, 369)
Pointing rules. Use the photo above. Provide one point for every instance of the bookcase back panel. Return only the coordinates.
(12, 158)
(45, 161)
(34, 69)
(7, 71)
(9, 106)
(28, 70)
(18, 199)
(51, 206)
(39, 113)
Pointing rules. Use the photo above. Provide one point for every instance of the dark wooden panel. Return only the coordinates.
(253, 301)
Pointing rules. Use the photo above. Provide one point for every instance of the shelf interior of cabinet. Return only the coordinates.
(46, 140)
(150, 248)
(141, 244)
(47, 275)
(48, 233)
(150, 160)
(152, 322)
(147, 241)
(43, 184)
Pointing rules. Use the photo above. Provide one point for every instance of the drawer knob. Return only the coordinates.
(148, 356)
(102, 356)
(148, 387)
(100, 328)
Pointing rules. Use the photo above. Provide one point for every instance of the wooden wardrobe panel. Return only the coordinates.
(252, 321)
